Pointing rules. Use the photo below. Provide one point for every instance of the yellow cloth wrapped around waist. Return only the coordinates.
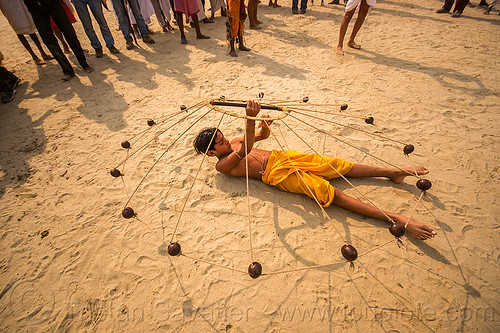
(310, 175)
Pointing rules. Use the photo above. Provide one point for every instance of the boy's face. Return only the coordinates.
(222, 146)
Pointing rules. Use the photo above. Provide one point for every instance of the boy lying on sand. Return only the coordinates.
(274, 168)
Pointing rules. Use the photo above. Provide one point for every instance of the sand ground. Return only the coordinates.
(426, 78)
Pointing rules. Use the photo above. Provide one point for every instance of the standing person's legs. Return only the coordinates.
(363, 10)
(136, 10)
(120, 11)
(180, 23)
(303, 6)
(460, 5)
(159, 16)
(42, 23)
(82, 10)
(35, 40)
(28, 48)
(343, 29)
(61, 19)
(96, 9)
(252, 14)
(295, 8)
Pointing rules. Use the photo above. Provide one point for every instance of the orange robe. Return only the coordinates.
(236, 16)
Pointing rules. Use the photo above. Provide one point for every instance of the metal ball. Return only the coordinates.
(397, 230)
(151, 122)
(183, 107)
(255, 270)
(349, 252)
(305, 99)
(369, 120)
(261, 95)
(343, 107)
(222, 97)
(174, 249)
(126, 144)
(115, 173)
(424, 184)
(128, 213)
(408, 149)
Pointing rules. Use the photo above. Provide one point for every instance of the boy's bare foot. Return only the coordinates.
(258, 22)
(353, 45)
(243, 48)
(67, 77)
(88, 69)
(339, 50)
(255, 27)
(39, 61)
(233, 53)
(420, 169)
(183, 40)
(416, 229)
(276, 5)
(201, 36)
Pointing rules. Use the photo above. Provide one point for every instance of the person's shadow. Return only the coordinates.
(21, 138)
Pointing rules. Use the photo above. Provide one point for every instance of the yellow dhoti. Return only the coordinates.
(313, 170)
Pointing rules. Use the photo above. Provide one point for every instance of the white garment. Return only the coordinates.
(216, 5)
(351, 4)
(165, 8)
(201, 14)
(18, 16)
(147, 11)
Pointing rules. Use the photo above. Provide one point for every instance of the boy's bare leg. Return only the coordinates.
(180, 24)
(396, 175)
(232, 52)
(60, 36)
(199, 35)
(28, 48)
(414, 228)
(363, 10)
(343, 29)
(35, 40)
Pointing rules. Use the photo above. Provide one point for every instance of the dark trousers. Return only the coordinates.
(459, 5)
(41, 17)
(7, 80)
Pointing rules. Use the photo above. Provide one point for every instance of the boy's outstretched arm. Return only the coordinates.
(252, 109)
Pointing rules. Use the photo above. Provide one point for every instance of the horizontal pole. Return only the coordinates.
(242, 105)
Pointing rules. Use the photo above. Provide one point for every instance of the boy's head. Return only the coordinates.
(202, 140)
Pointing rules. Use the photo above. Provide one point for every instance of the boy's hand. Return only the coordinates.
(267, 122)
(252, 108)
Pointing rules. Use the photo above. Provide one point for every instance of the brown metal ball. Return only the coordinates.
(151, 122)
(115, 173)
(261, 95)
(174, 249)
(305, 99)
(222, 97)
(424, 184)
(126, 144)
(183, 107)
(397, 230)
(369, 120)
(344, 107)
(128, 213)
(349, 252)
(408, 149)
(255, 270)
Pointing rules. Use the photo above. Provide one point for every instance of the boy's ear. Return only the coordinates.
(211, 153)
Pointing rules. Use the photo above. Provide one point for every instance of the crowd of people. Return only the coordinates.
(54, 19)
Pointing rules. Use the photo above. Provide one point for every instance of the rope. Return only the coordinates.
(309, 189)
(156, 136)
(341, 175)
(196, 176)
(414, 209)
(352, 146)
(154, 164)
